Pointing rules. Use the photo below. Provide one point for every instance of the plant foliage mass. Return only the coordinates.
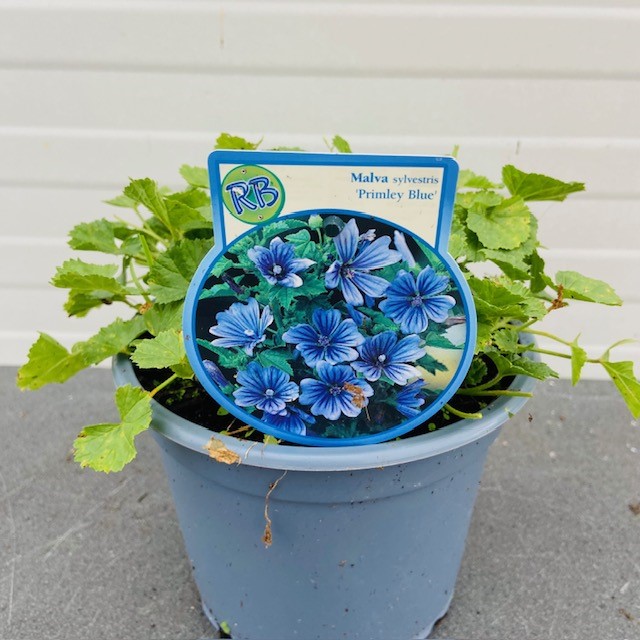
(157, 239)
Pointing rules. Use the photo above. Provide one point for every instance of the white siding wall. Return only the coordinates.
(94, 91)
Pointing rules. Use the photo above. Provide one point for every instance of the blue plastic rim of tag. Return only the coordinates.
(329, 311)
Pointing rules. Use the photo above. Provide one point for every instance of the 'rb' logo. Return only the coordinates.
(252, 194)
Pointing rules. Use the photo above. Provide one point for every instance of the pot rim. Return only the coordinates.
(294, 457)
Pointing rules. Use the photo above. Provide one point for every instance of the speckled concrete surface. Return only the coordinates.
(553, 551)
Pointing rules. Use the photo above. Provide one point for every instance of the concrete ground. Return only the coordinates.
(553, 551)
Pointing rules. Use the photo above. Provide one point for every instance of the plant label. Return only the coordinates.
(329, 312)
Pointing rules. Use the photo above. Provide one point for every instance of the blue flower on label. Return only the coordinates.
(291, 419)
(357, 316)
(412, 302)
(241, 325)
(337, 392)
(266, 388)
(278, 264)
(215, 374)
(409, 400)
(401, 245)
(384, 354)
(350, 272)
(329, 339)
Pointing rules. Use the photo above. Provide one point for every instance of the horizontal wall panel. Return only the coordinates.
(329, 38)
(580, 223)
(41, 310)
(395, 106)
(104, 158)
(49, 213)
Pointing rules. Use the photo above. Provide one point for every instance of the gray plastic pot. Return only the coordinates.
(367, 540)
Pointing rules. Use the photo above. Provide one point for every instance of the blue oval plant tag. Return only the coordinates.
(329, 312)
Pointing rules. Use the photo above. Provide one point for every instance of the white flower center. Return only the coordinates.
(269, 393)
(277, 269)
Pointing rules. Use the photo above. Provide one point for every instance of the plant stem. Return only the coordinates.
(147, 251)
(484, 386)
(138, 284)
(495, 392)
(557, 354)
(164, 384)
(544, 334)
(462, 414)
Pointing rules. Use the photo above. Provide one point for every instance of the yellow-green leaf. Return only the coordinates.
(625, 380)
(505, 226)
(109, 446)
(48, 361)
(195, 176)
(579, 287)
(161, 352)
(578, 360)
(535, 186)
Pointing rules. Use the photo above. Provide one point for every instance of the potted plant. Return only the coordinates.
(291, 541)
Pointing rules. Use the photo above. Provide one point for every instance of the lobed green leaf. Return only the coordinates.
(171, 273)
(579, 287)
(227, 141)
(47, 362)
(161, 352)
(195, 176)
(535, 186)
(504, 226)
(110, 446)
(626, 382)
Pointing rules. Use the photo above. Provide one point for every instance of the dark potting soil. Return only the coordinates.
(189, 400)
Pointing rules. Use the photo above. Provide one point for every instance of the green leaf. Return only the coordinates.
(110, 340)
(518, 365)
(83, 277)
(275, 358)
(578, 359)
(161, 352)
(227, 358)
(484, 199)
(623, 377)
(48, 361)
(217, 291)
(94, 236)
(477, 373)
(579, 287)
(184, 218)
(432, 365)
(504, 226)
(340, 144)
(507, 340)
(162, 317)
(535, 186)
(122, 201)
(539, 279)
(171, 273)
(227, 141)
(496, 298)
(108, 447)
(195, 176)
(312, 287)
(469, 180)
(484, 340)
(463, 243)
(146, 192)
(511, 262)
(78, 304)
(222, 265)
